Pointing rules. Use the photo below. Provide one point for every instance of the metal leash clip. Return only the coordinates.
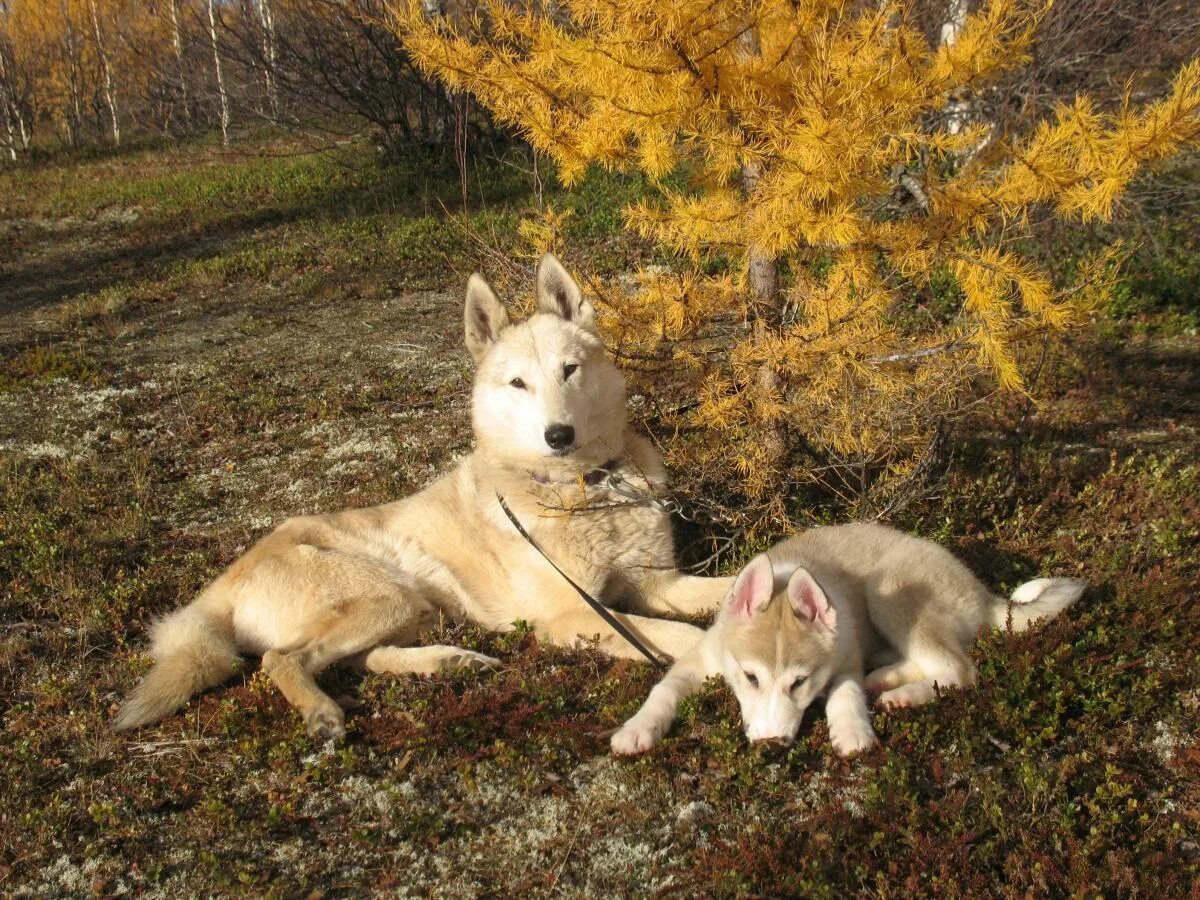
(620, 486)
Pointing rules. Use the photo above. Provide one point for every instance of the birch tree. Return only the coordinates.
(956, 20)
(222, 93)
(180, 69)
(14, 94)
(267, 20)
(110, 88)
(72, 46)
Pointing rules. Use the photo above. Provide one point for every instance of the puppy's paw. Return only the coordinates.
(633, 738)
(913, 694)
(849, 738)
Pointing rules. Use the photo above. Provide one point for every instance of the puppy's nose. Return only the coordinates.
(560, 436)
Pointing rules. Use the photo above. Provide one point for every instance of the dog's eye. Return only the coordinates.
(799, 681)
(753, 679)
(518, 384)
(569, 370)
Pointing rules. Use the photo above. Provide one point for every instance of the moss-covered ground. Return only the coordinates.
(195, 344)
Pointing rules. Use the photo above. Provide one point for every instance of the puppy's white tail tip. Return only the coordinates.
(192, 652)
(1041, 598)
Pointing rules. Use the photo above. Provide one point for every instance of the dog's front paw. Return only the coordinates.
(632, 739)
(849, 738)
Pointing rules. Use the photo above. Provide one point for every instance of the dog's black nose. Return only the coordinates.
(560, 436)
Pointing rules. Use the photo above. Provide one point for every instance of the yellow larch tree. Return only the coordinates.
(813, 135)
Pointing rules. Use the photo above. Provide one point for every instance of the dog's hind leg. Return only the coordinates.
(891, 676)
(936, 666)
(293, 672)
(929, 628)
(671, 593)
(426, 660)
(356, 605)
(664, 637)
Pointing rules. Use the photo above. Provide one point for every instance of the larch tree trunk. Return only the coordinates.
(762, 275)
(762, 270)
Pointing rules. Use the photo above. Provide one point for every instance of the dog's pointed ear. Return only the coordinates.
(558, 293)
(809, 600)
(483, 317)
(752, 589)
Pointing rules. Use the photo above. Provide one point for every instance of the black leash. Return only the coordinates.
(591, 601)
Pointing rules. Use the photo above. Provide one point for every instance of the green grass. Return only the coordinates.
(272, 335)
(203, 184)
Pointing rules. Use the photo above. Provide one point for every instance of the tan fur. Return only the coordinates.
(903, 605)
(367, 583)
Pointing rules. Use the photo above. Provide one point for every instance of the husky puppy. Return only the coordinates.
(805, 617)
(548, 411)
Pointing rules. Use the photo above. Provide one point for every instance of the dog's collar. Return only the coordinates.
(591, 479)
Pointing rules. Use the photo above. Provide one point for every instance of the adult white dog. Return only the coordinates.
(365, 584)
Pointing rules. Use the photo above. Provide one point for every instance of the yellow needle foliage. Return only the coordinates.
(861, 187)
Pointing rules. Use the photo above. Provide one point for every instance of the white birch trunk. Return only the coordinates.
(958, 109)
(8, 107)
(110, 90)
(436, 9)
(74, 114)
(10, 143)
(267, 18)
(15, 119)
(24, 128)
(177, 44)
(224, 96)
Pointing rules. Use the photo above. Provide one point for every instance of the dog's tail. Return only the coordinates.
(193, 649)
(1042, 598)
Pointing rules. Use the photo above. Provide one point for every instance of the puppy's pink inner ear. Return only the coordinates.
(810, 602)
(752, 590)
